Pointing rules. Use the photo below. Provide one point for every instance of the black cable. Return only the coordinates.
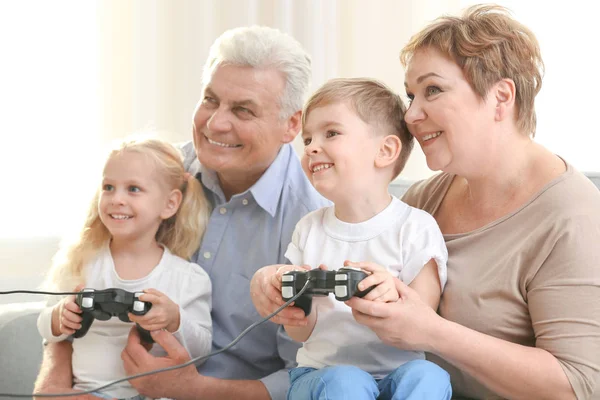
(127, 378)
(49, 293)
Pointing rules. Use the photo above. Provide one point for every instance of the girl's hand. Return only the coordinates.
(385, 287)
(164, 313)
(66, 315)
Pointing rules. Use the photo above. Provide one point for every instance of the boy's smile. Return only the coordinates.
(340, 151)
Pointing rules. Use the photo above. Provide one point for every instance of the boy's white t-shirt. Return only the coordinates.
(401, 238)
(97, 356)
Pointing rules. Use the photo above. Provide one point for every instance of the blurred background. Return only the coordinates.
(76, 75)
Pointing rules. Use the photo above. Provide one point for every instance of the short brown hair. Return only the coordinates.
(489, 45)
(373, 102)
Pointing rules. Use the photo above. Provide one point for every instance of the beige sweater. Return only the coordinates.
(532, 277)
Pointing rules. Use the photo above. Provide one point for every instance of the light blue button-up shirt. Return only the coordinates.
(251, 230)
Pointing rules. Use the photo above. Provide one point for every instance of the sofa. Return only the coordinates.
(21, 345)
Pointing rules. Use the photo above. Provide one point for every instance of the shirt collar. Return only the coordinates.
(266, 191)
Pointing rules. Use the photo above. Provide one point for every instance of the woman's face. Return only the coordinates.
(448, 119)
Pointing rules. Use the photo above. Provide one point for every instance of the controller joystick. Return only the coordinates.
(343, 283)
(108, 303)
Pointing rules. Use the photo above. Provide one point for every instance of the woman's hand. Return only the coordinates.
(385, 288)
(265, 291)
(164, 313)
(408, 323)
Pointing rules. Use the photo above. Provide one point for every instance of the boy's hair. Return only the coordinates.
(180, 233)
(488, 45)
(264, 47)
(374, 102)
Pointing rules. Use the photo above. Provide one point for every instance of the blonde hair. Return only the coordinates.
(374, 102)
(489, 45)
(181, 233)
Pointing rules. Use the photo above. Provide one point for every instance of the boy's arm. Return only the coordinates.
(427, 284)
(302, 333)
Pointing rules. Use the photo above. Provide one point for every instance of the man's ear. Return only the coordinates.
(504, 96)
(389, 151)
(293, 125)
(173, 203)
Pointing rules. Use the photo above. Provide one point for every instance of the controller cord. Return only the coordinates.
(128, 378)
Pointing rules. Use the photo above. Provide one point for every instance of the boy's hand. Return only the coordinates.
(164, 313)
(385, 290)
(66, 315)
(265, 292)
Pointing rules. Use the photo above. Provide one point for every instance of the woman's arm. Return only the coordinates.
(511, 370)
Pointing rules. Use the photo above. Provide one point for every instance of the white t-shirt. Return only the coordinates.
(97, 356)
(401, 238)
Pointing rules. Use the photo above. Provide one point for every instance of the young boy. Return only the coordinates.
(356, 143)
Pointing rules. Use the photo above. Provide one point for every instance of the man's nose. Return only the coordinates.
(219, 121)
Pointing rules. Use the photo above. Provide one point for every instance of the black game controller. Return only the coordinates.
(342, 283)
(108, 303)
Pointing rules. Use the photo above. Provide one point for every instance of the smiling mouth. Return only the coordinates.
(120, 216)
(226, 145)
(320, 167)
(431, 136)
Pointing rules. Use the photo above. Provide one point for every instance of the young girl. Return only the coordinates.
(146, 220)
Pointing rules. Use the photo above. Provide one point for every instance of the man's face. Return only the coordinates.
(237, 126)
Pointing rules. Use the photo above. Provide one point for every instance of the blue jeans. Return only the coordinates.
(106, 396)
(414, 380)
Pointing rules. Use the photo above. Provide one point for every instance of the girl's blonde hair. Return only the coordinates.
(181, 233)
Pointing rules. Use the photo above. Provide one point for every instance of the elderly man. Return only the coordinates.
(254, 84)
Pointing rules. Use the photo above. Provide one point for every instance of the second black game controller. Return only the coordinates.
(343, 283)
(107, 303)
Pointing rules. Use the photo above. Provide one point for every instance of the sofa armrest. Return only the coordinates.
(20, 347)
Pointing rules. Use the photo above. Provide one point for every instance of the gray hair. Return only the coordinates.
(264, 47)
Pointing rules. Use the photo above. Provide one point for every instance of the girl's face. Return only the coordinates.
(133, 200)
(448, 119)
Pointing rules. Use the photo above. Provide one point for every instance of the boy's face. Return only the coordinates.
(339, 152)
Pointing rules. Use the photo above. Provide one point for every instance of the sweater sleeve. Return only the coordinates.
(563, 303)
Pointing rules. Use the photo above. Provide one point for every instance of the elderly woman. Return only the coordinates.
(520, 314)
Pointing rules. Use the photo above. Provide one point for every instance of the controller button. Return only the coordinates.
(138, 306)
(287, 292)
(352, 268)
(288, 278)
(87, 302)
(87, 290)
(138, 294)
(341, 291)
(341, 277)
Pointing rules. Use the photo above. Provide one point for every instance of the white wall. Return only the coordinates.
(76, 75)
